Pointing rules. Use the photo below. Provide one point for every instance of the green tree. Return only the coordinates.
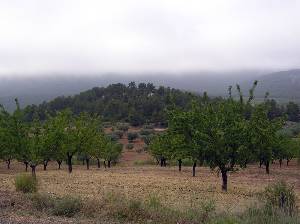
(112, 152)
(55, 138)
(36, 137)
(293, 111)
(263, 134)
(19, 130)
(80, 131)
(7, 144)
(100, 143)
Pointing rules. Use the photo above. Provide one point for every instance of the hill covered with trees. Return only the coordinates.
(137, 104)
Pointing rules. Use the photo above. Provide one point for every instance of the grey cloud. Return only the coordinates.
(145, 36)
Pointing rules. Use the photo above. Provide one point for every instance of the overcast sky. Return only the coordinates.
(87, 36)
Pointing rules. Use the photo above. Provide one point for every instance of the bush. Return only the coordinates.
(130, 146)
(280, 196)
(123, 127)
(131, 136)
(25, 183)
(67, 206)
(148, 126)
(42, 202)
(118, 133)
(146, 132)
(113, 137)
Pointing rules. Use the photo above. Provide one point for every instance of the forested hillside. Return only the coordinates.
(283, 86)
(137, 104)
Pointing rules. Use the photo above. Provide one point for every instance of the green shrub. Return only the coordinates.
(42, 202)
(113, 136)
(130, 146)
(118, 133)
(146, 132)
(280, 196)
(67, 206)
(123, 127)
(131, 136)
(25, 183)
(148, 126)
(147, 138)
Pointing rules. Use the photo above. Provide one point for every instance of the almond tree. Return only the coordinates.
(264, 135)
(7, 144)
(36, 137)
(80, 131)
(112, 152)
(55, 138)
(98, 148)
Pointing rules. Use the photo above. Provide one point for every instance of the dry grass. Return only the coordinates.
(178, 190)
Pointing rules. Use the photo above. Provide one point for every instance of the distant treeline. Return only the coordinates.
(136, 103)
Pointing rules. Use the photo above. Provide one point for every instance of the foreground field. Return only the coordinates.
(175, 189)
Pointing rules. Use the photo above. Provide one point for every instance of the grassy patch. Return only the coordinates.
(25, 183)
(65, 206)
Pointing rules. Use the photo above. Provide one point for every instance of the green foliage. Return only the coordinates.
(225, 134)
(65, 206)
(146, 132)
(123, 127)
(112, 151)
(132, 136)
(8, 148)
(26, 183)
(137, 104)
(147, 138)
(291, 129)
(148, 126)
(281, 196)
(130, 146)
(42, 201)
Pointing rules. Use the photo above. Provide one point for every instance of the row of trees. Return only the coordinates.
(225, 134)
(58, 138)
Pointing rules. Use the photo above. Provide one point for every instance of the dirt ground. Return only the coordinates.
(177, 189)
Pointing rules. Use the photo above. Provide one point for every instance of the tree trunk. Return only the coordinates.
(104, 164)
(162, 162)
(287, 162)
(33, 171)
(179, 164)
(165, 162)
(108, 163)
(260, 163)
(224, 180)
(69, 162)
(87, 163)
(98, 162)
(83, 162)
(59, 162)
(194, 169)
(45, 164)
(8, 163)
(280, 162)
(26, 166)
(268, 167)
